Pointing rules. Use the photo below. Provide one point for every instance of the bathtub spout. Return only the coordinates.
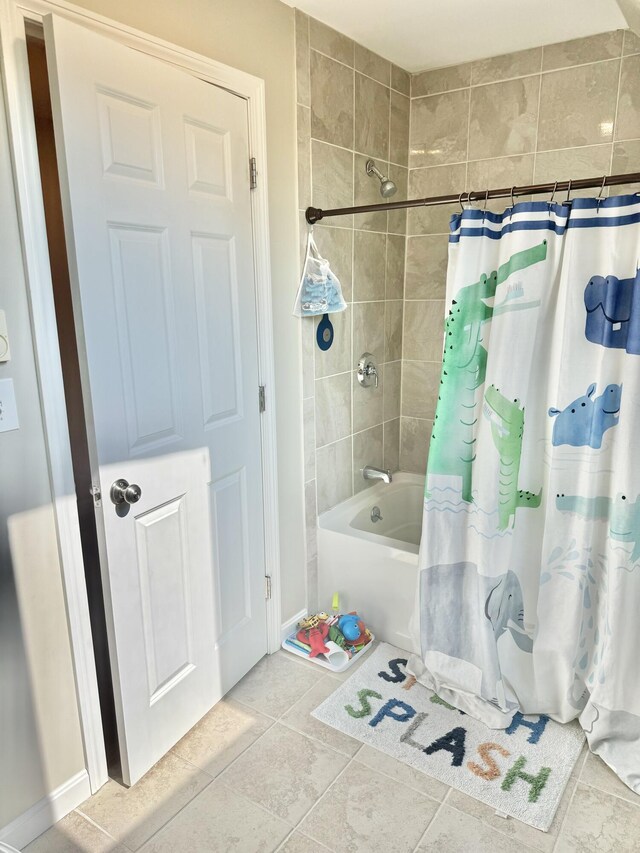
(369, 472)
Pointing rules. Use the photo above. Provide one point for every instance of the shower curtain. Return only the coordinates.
(529, 583)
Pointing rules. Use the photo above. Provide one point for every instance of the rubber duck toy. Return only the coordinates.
(314, 630)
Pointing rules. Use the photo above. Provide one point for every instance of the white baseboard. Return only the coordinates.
(47, 811)
(287, 627)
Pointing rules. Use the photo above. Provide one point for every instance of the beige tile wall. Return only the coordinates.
(352, 105)
(561, 111)
(566, 110)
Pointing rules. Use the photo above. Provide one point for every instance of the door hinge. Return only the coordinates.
(267, 586)
(253, 173)
(97, 497)
(262, 402)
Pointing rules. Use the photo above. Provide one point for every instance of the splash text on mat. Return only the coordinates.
(452, 741)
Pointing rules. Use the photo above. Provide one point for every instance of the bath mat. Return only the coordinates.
(521, 771)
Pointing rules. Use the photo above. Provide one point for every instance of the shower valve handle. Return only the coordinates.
(367, 370)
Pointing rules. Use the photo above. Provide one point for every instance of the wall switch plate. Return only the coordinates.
(5, 352)
(8, 409)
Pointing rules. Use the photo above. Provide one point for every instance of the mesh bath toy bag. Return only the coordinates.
(319, 291)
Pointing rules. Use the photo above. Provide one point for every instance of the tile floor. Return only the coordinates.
(259, 774)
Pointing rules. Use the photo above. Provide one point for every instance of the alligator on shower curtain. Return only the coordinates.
(529, 589)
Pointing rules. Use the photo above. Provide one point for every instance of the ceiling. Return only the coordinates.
(421, 34)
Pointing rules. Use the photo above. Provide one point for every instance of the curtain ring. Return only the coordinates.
(460, 201)
(512, 201)
(553, 194)
(599, 198)
(568, 198)
(484, 205)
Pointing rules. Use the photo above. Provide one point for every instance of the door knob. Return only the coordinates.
(123, 493)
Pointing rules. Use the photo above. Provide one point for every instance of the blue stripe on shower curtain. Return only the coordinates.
(610, 212)
(529, 583)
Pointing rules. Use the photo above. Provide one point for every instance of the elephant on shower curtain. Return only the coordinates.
(529, 585)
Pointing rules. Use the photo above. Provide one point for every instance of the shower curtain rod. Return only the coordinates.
(315, 214)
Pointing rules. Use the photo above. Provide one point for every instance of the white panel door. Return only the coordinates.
(155, 185)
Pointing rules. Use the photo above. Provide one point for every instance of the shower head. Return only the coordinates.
(387, 187)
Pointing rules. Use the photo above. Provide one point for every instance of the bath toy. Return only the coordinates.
(349, 626)
(314, 630)
(336, 635)
(313, 621)
(315, 638)
(354, 630)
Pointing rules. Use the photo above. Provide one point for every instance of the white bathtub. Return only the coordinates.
(374, 565)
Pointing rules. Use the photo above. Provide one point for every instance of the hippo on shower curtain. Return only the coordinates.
(613, 312)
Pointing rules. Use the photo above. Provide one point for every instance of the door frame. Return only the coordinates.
(15, 17)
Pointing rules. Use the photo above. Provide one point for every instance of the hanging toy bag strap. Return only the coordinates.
(319, 291)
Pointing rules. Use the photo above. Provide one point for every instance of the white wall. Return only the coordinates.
(40, 741)
(40, 744)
